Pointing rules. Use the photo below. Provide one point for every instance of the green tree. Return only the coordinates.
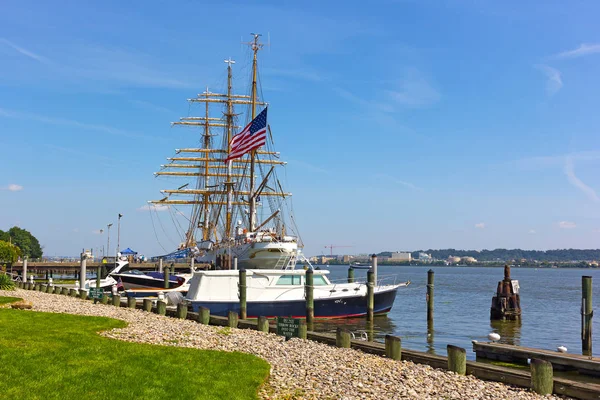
(24, 240)
(9, 253)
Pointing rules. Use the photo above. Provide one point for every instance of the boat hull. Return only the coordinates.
(331, 307)
(138, 281)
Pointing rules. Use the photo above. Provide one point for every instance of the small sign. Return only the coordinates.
(288, 327)
(515, 286)
(96, 293)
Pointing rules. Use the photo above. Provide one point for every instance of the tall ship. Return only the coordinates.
(233, 201)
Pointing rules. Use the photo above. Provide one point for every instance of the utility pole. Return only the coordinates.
(119, 233)
(108, 240)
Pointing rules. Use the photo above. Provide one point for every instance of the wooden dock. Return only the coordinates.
(520, 355)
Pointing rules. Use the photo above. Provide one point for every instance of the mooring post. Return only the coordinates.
(160, 265)
(98, 278)
(309, 294)
(83, 294)
(302, 329)
(586, 315)
(105, 299)
(83, 272)
(116, 300)
(147, 305)
(24, 272)
(263, 324)
(242, 291)
(342, 338)
(182, 311)
(393, 347)
(232, 319)
(204, 315)
(457, 359)
(131, 302)
(374, 267)
(166, 276)
(350, 275)
(65, 291)
(235, 261)
(161, 307)
(542, 376)
(429, 296)
(370, 295)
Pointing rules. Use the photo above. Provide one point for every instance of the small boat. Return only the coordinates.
(359, 266)
(108, 282)
(274, 293)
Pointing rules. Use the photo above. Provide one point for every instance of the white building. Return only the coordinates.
(397, 256)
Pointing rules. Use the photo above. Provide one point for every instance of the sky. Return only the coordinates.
(406, 124)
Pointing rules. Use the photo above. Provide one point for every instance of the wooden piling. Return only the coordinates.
(429, 296)
(457, 359)
(350, 275)
(57, 289)
(393, 347)
(131, 302)
(586, 315)
(302, 329)
(542, 376)
(147, 305)
(83, 295)
(506, 303)
(83, 272)
(342, 338)
(116, 300)
(370, 295)
(263, 324)
(104, 299)
(232, 319)
(73, 293)
(166, 277)
(309, 294)
(42, 288)
(65, 291)
(204, 315)
(182, 311)
(242, 291)
(160, 265)
(49, 289)
(161, 307)
(374, 268)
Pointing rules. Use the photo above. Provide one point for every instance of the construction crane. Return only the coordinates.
(331, 246)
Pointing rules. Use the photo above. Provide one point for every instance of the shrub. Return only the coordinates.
(6, 283)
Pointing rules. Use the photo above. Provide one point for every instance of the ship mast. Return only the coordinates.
(229, 183)
(256, 46)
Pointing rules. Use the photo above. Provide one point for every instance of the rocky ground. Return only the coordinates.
(301, 369)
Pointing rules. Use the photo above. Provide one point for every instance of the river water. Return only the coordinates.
(550, 304)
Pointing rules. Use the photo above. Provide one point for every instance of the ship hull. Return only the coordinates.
(258, 255)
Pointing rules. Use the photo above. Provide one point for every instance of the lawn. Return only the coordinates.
(6, 300)
(61, 356)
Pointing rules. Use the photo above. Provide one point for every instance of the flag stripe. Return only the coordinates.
(253, 136)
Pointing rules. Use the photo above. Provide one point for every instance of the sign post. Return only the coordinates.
(96, 293)
(288, 327)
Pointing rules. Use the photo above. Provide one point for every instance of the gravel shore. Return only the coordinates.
(300, 369)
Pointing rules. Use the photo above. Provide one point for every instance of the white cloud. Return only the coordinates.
(414, 91)
(13, 187)
(569, 170)
(554, 82)
(154, 207)
(480, 225)
(584, 49)
(398, 181)
(532, 231)
(24, 52)
(567, 225)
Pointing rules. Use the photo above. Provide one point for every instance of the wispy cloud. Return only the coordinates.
(569, 170)
(398, 181)
(557, 160)
(554, 81)
(24, 51)
(154, 207)
(480, 225)
(584, 49)
(413, 90)
(567, 225)
(71, 123)
(13, 187)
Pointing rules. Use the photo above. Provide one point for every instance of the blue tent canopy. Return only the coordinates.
(128, 252)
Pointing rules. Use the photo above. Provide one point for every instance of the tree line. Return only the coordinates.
(17, 242)
(501, 255)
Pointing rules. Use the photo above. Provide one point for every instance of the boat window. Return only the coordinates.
(289, 280)
(319, 280)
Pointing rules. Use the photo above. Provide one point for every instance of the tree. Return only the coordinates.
(24, 240)
(9, 253)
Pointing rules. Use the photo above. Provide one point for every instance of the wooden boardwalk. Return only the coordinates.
(517, 354)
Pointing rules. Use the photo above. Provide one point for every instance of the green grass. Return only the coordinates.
(7, 300)
(61, 356)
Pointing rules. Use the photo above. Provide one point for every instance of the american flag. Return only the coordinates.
(252, 137)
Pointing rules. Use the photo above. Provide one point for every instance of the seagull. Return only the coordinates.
(562, 349)
(494, 337)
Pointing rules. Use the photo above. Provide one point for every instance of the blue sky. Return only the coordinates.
(406, 124)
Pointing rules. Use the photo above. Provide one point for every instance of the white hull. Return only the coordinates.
(256, 255)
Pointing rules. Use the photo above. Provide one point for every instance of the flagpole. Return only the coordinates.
(255, 47)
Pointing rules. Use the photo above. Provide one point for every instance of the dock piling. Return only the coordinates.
(506, 303)
(161, 307)
(350, 275)
(147, 305)
(160, 265)
(429, 296)
(24, 273)
(83, 295)
(542, 376)
(263, 324)
(65, 291)
(83, 272)
(586, 315)
(116, 300)
(131, 302)
(242, 290)
(204, 315)
(232, 319)
(370, 293)
(393, 347)
(104, 299)
(166, 277)
(309, 294)
(182, 311)
(457, 359)
(342, 338)
(73, 293)
(302, 329)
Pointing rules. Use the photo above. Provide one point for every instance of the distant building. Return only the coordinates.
(468, 260)
(453, 260)
(397, 256)
(425, 257)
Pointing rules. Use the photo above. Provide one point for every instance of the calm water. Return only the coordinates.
(550, 303)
